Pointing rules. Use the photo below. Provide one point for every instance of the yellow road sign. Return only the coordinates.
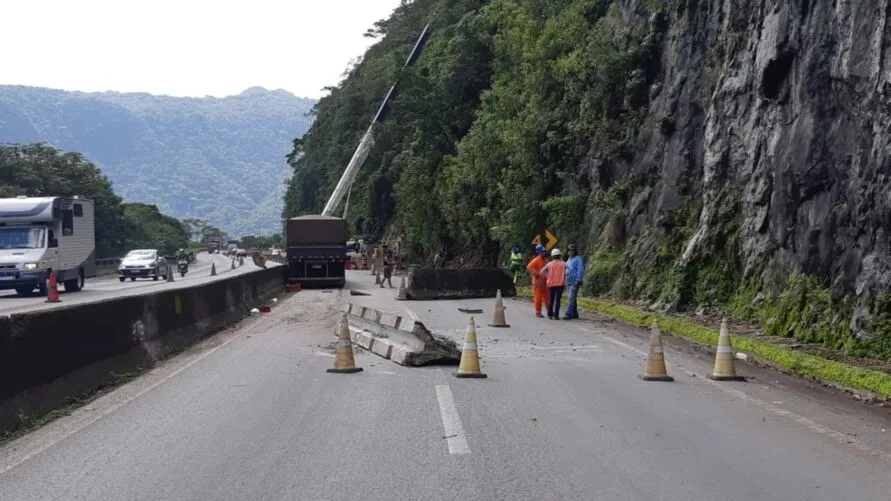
(550, 240)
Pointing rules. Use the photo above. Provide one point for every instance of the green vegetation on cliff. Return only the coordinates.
(491, 130)
(39, 170)
(524, 114)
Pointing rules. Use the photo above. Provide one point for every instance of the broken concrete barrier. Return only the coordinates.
(403, 340)
(458, 283)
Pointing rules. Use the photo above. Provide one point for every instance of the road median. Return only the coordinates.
(766, 351)
(49, 358)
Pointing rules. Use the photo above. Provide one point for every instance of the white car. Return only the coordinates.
(143, 263)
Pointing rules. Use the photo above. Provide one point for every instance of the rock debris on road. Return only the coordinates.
(252, 414)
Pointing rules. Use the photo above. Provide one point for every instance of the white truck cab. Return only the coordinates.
(43, 234)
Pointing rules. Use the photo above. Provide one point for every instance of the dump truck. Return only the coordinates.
(316, 250)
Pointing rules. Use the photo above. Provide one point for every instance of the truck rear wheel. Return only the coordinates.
(75, 284)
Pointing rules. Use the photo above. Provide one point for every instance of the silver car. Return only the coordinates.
(143, 263)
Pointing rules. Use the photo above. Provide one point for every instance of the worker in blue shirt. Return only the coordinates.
(575, 274)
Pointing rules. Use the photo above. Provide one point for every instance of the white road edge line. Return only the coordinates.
(811, 425)
(451, 422)
(21, 456)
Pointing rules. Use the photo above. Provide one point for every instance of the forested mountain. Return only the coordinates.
(217, 159)
(725, 155)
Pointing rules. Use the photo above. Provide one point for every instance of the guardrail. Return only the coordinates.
(42, 366)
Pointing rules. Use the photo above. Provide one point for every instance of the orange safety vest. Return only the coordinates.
(534, 268)
(557, 273)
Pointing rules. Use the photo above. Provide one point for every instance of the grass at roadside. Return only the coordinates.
(765, 350)
(31, 423)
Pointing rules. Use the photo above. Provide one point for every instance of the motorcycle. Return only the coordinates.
(183, 265)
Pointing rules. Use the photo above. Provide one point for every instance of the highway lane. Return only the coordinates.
(108, 286)
(252, 414)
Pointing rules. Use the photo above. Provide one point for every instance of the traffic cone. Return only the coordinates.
(725, 369)
(469, 367)
(52, 290)
(344, 363)
(403, 294)
(233, 264)
(498, 319)
(655, 369)
(213, 269)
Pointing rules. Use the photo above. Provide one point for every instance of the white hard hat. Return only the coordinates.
(555, 252)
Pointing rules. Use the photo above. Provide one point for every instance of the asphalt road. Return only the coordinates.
(252, 414)
(108, 286)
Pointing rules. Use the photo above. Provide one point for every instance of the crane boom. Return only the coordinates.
(367, 141)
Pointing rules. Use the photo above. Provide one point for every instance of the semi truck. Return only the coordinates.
(40, 235)
(316, 250)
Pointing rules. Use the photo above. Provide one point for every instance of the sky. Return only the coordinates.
(185, 47)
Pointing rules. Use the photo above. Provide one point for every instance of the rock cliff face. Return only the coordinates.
(776, 114)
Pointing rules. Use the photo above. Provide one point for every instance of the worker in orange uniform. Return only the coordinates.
(555, 274)
(539, 283)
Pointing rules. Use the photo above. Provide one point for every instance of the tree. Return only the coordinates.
(262, 242)
(151, 229)
(41, 170)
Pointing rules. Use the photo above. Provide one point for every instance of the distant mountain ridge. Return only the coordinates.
(218, 159)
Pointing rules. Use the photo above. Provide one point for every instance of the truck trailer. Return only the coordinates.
(316, 250)
(39, 235)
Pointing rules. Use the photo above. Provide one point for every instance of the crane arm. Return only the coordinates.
(367, 141)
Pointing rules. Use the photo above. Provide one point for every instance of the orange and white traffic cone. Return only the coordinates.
(52, 290)
(469, 367)
(344, 363)
(655, 369)
(725, 368)
(213, 269)
(498, 319)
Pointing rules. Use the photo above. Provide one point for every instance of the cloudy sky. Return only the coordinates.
(184, 47)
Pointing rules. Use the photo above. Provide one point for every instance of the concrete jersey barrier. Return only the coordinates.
(458, 283)
(402, 340)
(49, 356)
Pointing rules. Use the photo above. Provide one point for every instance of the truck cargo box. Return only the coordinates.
(312, 230)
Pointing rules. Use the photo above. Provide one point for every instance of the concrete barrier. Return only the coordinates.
(402, 340)
(458, 283)
(49, 357)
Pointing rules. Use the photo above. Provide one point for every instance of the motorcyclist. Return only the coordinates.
(182, 258)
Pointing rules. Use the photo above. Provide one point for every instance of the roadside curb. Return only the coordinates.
(865, 382)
